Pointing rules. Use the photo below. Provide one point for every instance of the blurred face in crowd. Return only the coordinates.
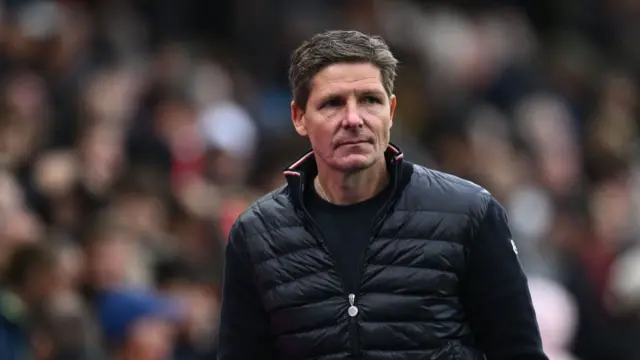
(40, 286)
(55, 173)
(24, 118)
(348, 116)
(102, 155)
(108, 259)
(141, 213)
(149, 339)
(610, 205)
(17, 224)
(70, 267)
(26, 95)
(18, 139)
(200, 306)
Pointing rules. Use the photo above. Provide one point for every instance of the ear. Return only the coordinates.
(392, 108)
(297, 117)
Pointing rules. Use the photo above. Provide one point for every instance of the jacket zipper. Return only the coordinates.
(353, 313)
(353, 309)
(380, 217)
(379, 220)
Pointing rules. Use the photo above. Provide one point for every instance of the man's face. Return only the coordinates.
(348, 116)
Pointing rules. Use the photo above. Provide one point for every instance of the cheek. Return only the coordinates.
(321, 144)
(379, 124)
(320, 135)
(322, 147)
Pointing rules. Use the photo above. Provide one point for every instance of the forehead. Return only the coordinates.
(346, 77)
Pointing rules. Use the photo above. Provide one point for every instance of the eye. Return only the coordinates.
(371, 100)
(332, 102)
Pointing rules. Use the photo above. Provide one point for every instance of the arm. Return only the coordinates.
(497, 297)
(244, 323)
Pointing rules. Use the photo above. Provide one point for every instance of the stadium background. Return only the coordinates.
(133, 132)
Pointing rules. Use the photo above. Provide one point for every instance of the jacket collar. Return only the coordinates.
(305, 167)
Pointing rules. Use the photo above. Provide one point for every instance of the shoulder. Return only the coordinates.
(439, 191)
(269, 211)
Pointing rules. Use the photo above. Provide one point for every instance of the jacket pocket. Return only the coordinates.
(454, 350)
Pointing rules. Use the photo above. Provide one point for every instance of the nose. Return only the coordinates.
(352, 118)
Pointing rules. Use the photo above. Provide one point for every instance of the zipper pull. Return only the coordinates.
(353, 309)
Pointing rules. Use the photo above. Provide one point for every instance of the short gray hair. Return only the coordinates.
(338, 46)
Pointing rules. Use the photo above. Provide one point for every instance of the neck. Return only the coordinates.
(350, 188)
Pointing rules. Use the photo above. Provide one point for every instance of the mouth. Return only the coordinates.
(352, 142)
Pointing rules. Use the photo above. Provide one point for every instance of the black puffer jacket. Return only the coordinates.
(411, 300)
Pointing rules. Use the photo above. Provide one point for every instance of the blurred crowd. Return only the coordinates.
(132, 133)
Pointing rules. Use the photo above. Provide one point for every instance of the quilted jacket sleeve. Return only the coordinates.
(497, 295)
(244, 323)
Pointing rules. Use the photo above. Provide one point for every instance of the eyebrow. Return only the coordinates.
(376, 92)
(369, 92)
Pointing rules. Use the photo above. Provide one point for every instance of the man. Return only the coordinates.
(29, 281)
(363, 255)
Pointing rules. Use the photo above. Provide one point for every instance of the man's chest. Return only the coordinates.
(346, 237)
(410, 254)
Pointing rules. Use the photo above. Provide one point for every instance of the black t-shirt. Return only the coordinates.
(347, 230)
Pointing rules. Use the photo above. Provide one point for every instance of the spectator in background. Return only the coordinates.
(113, 258)
(65, 331)
(137, 325)
(176, 278)
(29, 283)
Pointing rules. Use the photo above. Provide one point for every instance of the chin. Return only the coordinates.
(354, 162)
